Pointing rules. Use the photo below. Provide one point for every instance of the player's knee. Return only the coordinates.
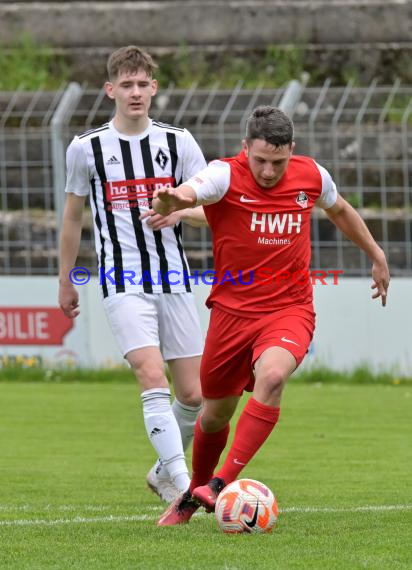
(149, 376)
(213, 421)
(191, 397)
(273, 380)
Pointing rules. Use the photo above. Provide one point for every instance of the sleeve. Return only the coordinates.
(329, 193)
(77, 170)
(193, 159)
(211, 183)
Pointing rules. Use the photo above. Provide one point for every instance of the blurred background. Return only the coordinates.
(341, 70)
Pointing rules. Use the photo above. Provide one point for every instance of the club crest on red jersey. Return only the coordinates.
(302, 199)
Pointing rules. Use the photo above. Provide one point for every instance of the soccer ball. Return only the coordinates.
(246, 505)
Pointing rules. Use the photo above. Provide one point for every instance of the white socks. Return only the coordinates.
(164, 434)
(186, 417)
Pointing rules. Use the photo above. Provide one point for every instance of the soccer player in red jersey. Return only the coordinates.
(258, 205)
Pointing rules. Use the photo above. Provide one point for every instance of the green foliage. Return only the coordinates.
(29, 66)
(354, 199)
(26, 371)
(350, 73)
(273, 68)
(32, 369)
(359, 375)
(400, 110)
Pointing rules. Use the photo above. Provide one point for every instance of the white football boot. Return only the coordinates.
(163, 487)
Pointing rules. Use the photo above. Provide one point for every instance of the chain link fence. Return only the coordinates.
(362, 135)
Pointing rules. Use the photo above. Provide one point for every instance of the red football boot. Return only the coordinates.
(206, 495)
(180, 511)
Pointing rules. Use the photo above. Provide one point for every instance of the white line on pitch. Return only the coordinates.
(145, 517)
(66, 508)
(78, 520)
(365, 508)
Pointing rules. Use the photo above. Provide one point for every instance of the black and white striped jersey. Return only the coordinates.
(121, 172)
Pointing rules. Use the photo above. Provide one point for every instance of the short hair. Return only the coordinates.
(271, 125)
(129, 59)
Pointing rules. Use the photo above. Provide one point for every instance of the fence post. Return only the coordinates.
(60, 120)
(291, 97)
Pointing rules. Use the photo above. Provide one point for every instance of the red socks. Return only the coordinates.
(253, 428)
(207, 448)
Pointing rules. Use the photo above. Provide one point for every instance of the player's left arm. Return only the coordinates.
(348, 220)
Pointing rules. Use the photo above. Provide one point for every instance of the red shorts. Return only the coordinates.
(234, 343)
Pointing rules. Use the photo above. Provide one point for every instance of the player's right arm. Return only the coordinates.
(69, 248)
(193, 162)
(207, 187)
(168, 200)
(77, 189)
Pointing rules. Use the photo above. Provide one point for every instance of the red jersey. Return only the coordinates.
(261, 237)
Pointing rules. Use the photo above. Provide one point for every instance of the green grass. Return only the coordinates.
(74, 455)
(32, 369)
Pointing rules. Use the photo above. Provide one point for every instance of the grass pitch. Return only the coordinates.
(73, 495)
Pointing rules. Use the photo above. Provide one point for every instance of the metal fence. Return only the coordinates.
(362, 135)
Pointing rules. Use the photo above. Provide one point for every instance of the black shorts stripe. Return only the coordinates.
(171, 142)
(117, 251)
(167, 126)
(92, 131)
(98, 223)
(149, 173)
(137, 224)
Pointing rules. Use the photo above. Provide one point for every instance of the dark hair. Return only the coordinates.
(129, 59)
(271, 125)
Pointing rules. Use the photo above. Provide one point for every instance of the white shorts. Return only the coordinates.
(169, 321)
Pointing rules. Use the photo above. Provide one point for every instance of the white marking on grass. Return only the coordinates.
(96, 508)
(78, 520)
(361, 509)
(147, 517)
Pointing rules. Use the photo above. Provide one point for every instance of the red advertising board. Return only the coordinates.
(33, 326)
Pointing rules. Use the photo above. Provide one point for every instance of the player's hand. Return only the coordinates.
(164, 201)
(158, 222)
(381, 278)
(69, 300)
(167, 200)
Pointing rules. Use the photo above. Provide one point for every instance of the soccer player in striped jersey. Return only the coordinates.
(143, 270)
(258, 205)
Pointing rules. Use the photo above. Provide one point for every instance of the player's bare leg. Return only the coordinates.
(186, 406)
(272, 370)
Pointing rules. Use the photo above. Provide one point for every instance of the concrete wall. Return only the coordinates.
(211, 22)
(351, 328)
